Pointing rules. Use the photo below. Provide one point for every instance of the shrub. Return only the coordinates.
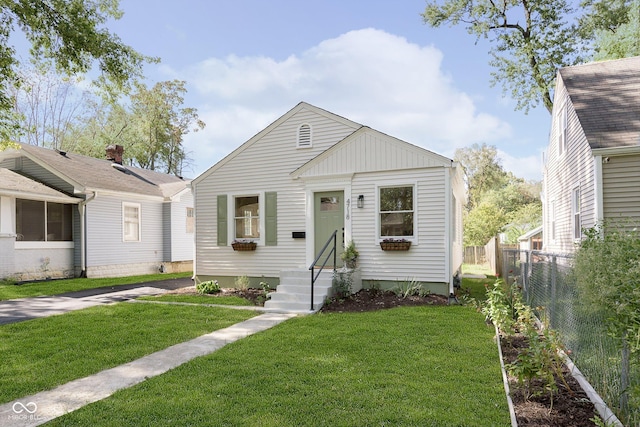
(242, 282)
(408, 288)
(208, 287)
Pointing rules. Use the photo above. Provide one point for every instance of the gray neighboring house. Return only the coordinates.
(592, 168)
(68, 215)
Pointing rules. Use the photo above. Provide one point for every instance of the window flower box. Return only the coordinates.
(395, 245)
(243, 246)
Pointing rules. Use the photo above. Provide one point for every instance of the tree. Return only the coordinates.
(71, 34)
(532, 39)
(483, 170)
(482, 223)
(621, 41)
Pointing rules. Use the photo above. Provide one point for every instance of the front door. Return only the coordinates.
(329, 216)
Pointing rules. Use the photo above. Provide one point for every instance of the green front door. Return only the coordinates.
(329, 216)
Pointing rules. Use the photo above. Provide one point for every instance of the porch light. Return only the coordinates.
(361, 201)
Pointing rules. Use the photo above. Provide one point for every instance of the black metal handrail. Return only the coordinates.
(315, 261)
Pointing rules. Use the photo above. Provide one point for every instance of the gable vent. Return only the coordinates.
(304, 136)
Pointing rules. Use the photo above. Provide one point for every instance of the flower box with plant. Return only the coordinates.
(350, 255)
(243, 245)
(395, 245)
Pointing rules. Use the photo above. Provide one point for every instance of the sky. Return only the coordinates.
(247, 62)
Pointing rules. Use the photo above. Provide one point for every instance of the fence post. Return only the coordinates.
(552, 297)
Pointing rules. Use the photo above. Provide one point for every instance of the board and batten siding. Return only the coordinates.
(621, 189)
(426, 259)
(563, 173)
(105, 245)
(263, 165)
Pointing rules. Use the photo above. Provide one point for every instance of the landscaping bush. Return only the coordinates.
(208, 287)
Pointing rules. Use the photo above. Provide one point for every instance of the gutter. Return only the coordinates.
(83, 232)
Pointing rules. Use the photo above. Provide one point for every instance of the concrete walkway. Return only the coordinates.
(44, 406)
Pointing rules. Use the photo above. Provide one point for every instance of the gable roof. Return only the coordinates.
(405, 155)
(14, 184)
(606, 98)
(300, 106)
(91, 174)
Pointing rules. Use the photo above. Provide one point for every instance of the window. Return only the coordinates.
(562, 129)
(131, 222)
(552, 215)
(191, 216)
(396, 212)
(38, 221)
(304, 136)
(247, 219)
(575, 213)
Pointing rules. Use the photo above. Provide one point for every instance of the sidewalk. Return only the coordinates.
(44, 406)
(18, 310)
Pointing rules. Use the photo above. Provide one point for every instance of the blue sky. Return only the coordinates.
(247, 62)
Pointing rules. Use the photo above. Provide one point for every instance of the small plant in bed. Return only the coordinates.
(208, 287)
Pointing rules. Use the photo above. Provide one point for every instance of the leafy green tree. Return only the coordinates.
(69, 33)
(622, 41)
(482, 223)
(531, 39)
(482, 169)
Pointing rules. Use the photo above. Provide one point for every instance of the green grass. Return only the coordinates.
(199, 299)
(43, 353)
(53, 287)
(476, 269)
(474, 288)
(419, 366)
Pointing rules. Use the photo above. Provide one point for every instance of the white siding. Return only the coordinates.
(621, 189)
(563, 172)
(178, 243)
(264, 166)
(105, 245)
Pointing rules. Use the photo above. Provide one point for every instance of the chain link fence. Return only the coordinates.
(548, 286)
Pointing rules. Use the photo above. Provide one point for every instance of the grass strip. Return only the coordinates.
(199, 299)
(418, 366)
(8, 290)
(43, 353)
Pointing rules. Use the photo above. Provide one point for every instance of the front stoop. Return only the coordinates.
(293, 294)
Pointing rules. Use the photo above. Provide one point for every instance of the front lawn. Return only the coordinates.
(416, 366)
(199, 299)
(42, 353)
(8, 290)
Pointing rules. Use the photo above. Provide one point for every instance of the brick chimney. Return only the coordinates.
(114, 153)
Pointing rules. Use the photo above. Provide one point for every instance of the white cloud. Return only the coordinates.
(527, 167)
(369, 76)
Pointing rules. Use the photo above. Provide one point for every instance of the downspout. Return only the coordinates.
(597, 190)
(449, 229)
(83, 233)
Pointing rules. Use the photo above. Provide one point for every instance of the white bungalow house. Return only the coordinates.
(312, 172)
(67, 215)
(592, 167)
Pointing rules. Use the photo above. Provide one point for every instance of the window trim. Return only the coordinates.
(552, 220)
(46, 223)
(395, 184)
(124, 235)
(576, 213)
(231, 216)
(562, 131)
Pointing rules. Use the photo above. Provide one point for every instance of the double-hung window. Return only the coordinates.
(396, 212)
(575, 213)
(131, 222)
(247, 217)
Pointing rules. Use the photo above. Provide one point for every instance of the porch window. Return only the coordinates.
(396, 212)
(247, 219)
(575, 213)
(131, 222)
(38, 221)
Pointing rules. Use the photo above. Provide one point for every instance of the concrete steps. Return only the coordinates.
(293, 294)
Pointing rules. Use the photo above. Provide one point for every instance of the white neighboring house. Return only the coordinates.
(592, 169)
(312, 172)
(66, 215)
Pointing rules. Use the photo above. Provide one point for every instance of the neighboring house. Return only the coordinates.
(531, 241)
(66, 215)
(312, 172)
(592, 168)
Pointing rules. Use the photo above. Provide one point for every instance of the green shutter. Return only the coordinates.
(222, 220)
(271, 218)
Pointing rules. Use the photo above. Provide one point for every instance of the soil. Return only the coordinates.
(570, 408)
(256, 296)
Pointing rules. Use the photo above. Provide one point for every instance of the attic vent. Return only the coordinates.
(304, 136)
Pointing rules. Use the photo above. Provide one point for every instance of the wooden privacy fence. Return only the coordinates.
(474, 255)
(489, 255)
